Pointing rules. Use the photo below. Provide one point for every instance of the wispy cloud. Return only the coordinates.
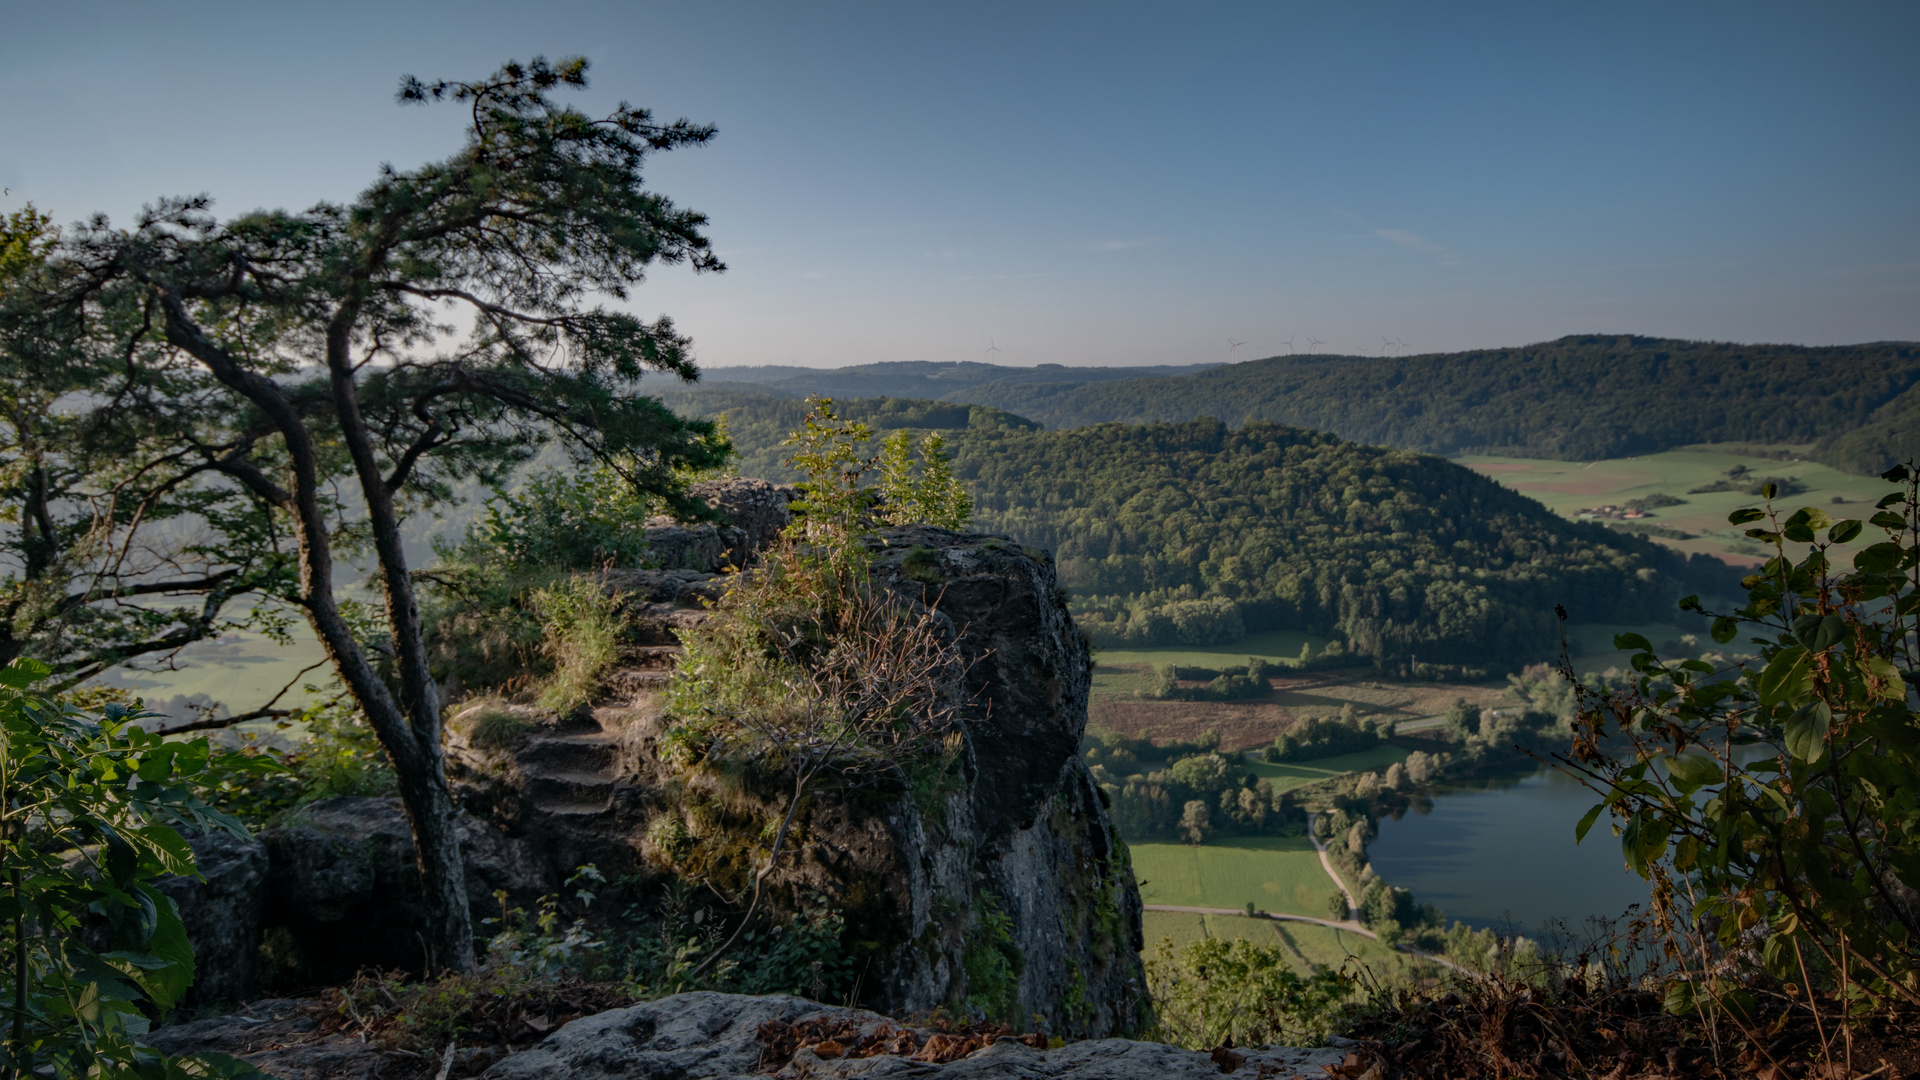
(1123, 245)
(1425, 245)
(1412, 241)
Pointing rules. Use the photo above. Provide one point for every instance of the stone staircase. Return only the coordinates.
(573, 769)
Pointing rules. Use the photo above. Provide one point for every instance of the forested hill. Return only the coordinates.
(1194, 533)
(1578, 398)
(923, 379)
(1400, 553)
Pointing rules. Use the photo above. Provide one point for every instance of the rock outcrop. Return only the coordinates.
(342, 891)
(222, 911)
(706, 1036)
(700, 1036)
(755, 512)
(1003, 891)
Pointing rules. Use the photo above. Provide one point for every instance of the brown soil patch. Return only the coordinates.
(1244, 725)
(1241, 724)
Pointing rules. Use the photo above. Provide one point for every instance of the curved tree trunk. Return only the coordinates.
(411, 735)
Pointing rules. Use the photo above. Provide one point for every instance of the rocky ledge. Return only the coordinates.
(708, 1036)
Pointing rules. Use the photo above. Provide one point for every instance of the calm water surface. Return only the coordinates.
(1501, 854)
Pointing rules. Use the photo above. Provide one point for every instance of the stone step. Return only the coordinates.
(547, 787)
(563, 808)
(593, 751)
(653, 657)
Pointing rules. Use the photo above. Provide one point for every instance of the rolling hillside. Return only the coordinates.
(1577, 399)
(1194, 533)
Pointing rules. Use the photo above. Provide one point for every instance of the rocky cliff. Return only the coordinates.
(1004, 891)
(998, 889)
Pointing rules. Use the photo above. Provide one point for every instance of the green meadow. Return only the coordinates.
(1273, 646)
(1308, 944)
(1276, 873)
(1567, 487)
(1292, 774)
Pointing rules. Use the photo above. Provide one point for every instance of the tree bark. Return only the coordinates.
(417, 764)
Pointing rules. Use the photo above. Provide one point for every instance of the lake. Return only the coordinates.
(1500, 853)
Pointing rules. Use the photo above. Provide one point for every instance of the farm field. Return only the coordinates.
(1273, 646)
(1309, 944)
(1292, 774)
(1245, 725)
(1566, 487)
(1278, 873)
(241, 671)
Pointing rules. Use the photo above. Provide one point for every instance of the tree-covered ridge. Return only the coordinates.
(759, 422)
(1403, 554)
(1578, 398)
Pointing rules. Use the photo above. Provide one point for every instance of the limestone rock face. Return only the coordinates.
(343, 886)
(1028, 838)
(1001, 891)
(222, 914)
(754, 512)
(707, 1036)
(704, 1036)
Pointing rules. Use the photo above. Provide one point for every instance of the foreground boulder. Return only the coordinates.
(707, 1036)
(221, 910)
(343, 892)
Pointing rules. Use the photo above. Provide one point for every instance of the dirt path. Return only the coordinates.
(1353, 905)
(1351, 927)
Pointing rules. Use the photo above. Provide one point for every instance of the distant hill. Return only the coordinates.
(1577, 399)
(1194, 533)
(925, 380)
(759, 421)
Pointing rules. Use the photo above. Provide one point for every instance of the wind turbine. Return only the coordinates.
(1232, 347)
(1313, 343)
(1289, 344)
(1385, 345)
(1400, 347)
(993, 350)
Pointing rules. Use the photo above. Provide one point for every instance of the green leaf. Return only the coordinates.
(1741, 517)
(1844, 531)
(1693, 771)
(1679, 998)
(175, 854)
(1632, 642)
(169, 943)
(1877, 559)
(1586, 823)
(1887, 519)
(1882, 670)
(23, 672)
(1806, 731)
(1724, 629)
(1811, 516)
(1799, 534)
(1788, 675)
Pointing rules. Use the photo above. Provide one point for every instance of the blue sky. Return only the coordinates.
(1094, 183)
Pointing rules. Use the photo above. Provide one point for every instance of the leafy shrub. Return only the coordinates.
(582, 628)
(91, 807)
(1213, 991)
(337, 754)
(1326, 736)
(1812, 851)
(921, 491)
(507, 603)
